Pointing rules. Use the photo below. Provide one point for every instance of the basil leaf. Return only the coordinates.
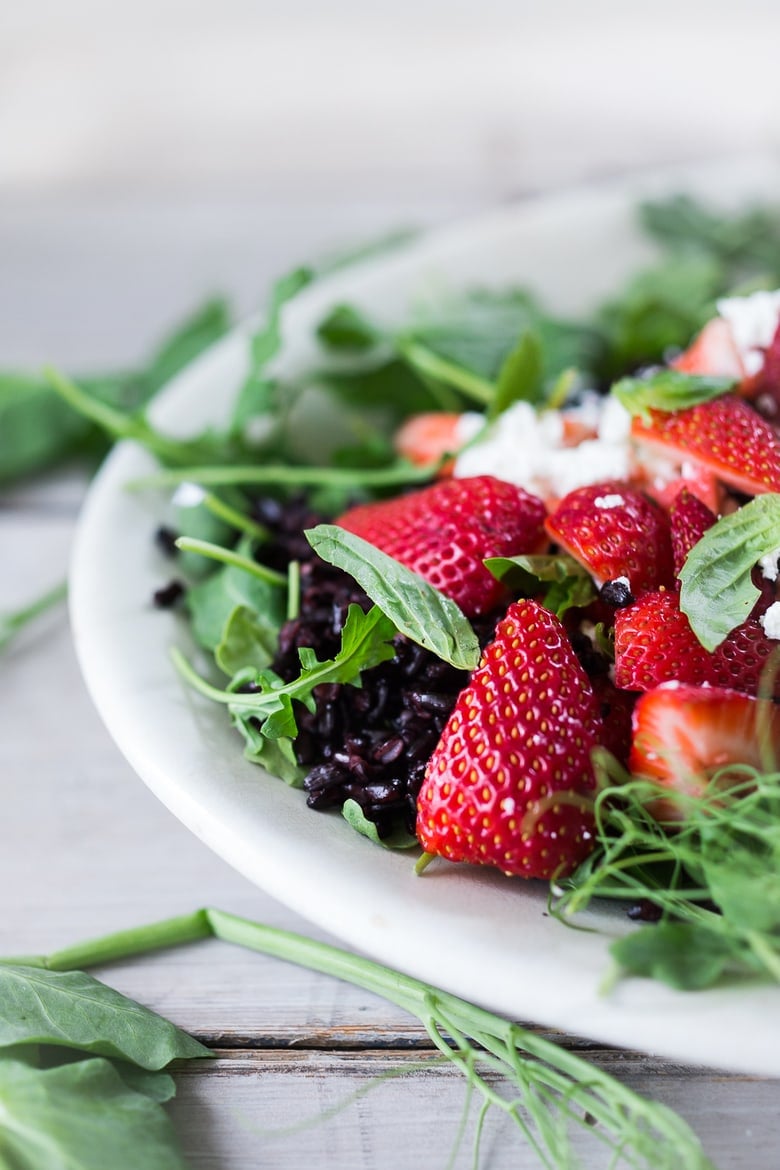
(418, 610)
(668, 390)
(521, 376)
(357, 819)
(81, 1116)
(158, 1086)
(717, 591)
(73, 1010)
(567, 583)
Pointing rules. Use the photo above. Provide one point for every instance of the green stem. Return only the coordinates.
(293, 590)
(283, 475)
(430, 364)
(12, 623)
(235, 518)
(138, 940)
(228, 556)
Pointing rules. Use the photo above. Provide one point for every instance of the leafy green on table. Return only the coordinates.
(717, 591)
(551, 1091)
(414, 607)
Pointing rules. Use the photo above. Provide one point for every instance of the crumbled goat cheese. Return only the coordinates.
(753, 320)
(768, 564)
(527, 448)
(771, 621)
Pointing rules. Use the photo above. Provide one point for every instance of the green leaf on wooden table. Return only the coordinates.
(81, 1116)
(73, 1010)
(717, 591)
(357, 819)
(417, 609)
(158, 1086)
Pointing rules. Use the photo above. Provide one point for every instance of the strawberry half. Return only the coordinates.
(426, 438)
(689, 519)
(509, 783)
(615, 531)
(725, 435)
(713, 352)
(684, 735)
(445, 532)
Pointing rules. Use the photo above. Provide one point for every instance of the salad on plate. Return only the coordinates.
(502, 585)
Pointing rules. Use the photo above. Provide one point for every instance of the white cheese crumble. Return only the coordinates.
(768, 564)
(529, 449)
(771, 621)
(610, 501)
(753, 320)
(622, 581)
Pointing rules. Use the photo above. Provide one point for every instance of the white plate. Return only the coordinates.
(473, 932)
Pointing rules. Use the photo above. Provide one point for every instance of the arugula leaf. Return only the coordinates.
(249, 638)
(357, 819)
(717, 591)
(365, 642)
(212, 605)
(567, 583)
(74, 1010)
(520, 377)
(83, 1116)
(416, 609)
(668, 390)
(277, 756)
(347, 328)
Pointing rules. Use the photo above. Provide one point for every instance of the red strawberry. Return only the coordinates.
(764, 387)
(445, 532)
(509, 782)
(615, 531)
(725, 435)
(654, 643)
(714, 352)
(616, 709)
(683, 735)
(689, 519)
(427, 438)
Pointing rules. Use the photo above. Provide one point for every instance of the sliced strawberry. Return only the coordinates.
(615, 531)
(713, 352)
(725, 435)
(426, 438)
(664, 479)
(740, 662)
(654, 643)
(616, 709)
(763, 388)
(445, 532)
(685, 735)
(509, 783)
(689, 519)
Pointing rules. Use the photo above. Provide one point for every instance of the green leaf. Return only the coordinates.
(158, 1086)
(206, 325)
(347, 328)
(563, 581)
(277, 756)
(418, 610)
(681, 954)
(357, 819)
(81, 1116)
(520, 377)
(249, 638)
(212, 604)
(717, 592)
(74, 1010)
(668, 390)
(257, 395)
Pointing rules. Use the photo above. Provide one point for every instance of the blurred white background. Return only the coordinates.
(155, 150)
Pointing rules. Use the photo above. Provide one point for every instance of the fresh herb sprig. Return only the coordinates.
(713, 875)
(551, 1092)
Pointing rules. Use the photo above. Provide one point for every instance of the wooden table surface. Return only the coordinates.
(86, 849)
